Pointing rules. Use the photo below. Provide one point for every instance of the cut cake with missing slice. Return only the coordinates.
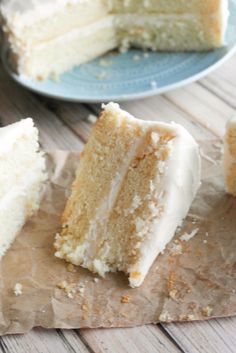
(229, 157)
(22, 174)
(134, 185)
(47, 38)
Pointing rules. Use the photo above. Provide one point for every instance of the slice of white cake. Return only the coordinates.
(229, 157)
(134, 185)
(22, 169)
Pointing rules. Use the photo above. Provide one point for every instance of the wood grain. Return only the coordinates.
(212, 336)
(139, 339)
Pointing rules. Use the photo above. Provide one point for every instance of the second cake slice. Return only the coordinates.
(134, 185)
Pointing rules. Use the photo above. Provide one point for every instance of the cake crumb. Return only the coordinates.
(104, 62)
(173, 294)
(125, 299)
(175, 249)
(96, 280)
(18, 289)
(165, 317)
(69, 288)
(153, 84)
(101, 75)
(81, 290)
(187, 236)
(204, 241)
(207, 311)
(92, 118)
(71, 268)
(136, 57)
(62, 284)
(188, 317)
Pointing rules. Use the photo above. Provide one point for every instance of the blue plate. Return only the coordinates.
(133, 75)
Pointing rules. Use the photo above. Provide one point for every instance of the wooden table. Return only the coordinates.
(203, 108)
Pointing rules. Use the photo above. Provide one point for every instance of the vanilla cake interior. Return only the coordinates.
(49, 37)
(134, 185)
(229, 157)
(22, 174)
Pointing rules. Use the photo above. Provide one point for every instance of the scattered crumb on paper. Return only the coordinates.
(125, 299)
(188, 236)
(18, 289)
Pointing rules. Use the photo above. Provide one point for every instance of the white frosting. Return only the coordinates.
(22, 173)
(9, 134)
(181, 182)
(26, 12)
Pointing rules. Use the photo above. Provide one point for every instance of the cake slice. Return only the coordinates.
(22, 169)
(229, 157)
(134, 185)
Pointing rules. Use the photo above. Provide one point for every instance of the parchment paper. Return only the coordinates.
(192, 280)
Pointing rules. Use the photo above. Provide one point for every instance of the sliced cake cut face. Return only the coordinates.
(46, 38)
(229, 157)
(134, 185)
(21, 179)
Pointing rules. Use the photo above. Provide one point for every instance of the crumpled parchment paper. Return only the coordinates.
(192, 280)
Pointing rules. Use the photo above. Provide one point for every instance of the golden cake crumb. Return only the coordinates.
(71, 268)
(207, 311)
(125, 299)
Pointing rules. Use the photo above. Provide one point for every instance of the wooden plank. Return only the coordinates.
(139, 339)
(202, 106)
(75, 116)
(222, 82)
(214, 336)
(16, 103)
(42, 341)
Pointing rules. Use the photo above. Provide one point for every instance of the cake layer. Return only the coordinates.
(229, 157)
(22, 169)
(134, 186)
(77, 46)
(26, 26)
(179, 32)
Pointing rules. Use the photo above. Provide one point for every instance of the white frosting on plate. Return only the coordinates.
(27, 12)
